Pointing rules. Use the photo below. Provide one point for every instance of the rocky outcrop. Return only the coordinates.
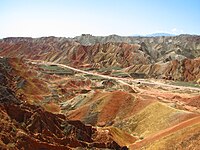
(185, 70)
(27, 126)
(33, 128)
(36, 129)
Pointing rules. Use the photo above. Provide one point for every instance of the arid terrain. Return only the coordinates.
(93, 92)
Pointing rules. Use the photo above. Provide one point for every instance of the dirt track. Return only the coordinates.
(123, 81)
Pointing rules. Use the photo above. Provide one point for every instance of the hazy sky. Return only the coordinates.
(68, 18)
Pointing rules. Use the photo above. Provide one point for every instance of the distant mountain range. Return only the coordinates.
(160, 34)
(155, 35)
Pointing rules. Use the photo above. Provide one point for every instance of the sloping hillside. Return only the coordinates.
(157, 57)
(100, 92)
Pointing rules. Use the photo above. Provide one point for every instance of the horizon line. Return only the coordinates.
(88, 34)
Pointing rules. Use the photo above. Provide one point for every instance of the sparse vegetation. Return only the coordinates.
(109, 69)
(93, 77)
(54, 69)
(120, 74)
(21, 84)
(186, 84)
